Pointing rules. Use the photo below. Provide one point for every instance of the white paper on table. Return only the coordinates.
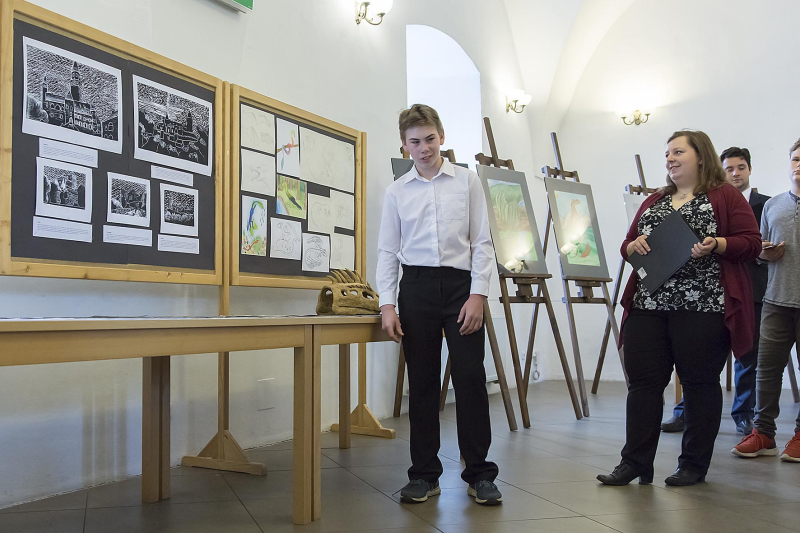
(632, 204)
(316, 253)
(172, 175)
(182, 245)
(254, 226)
(95, 105)
(286, 240)
(70, 153)
(63, 190)
(131, 236)
(258, 173)
(320, 214)
(179, 210)
(287, 148)
(64, 230)
(343, 251)
(344, 210)
(257, 129)
(327, 161)
(163, 135)
(128, 200)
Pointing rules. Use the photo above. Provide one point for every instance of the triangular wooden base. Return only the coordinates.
(365, 423)
(233, 457)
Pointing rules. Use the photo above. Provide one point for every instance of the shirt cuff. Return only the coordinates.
(386, 298)
(479, 287)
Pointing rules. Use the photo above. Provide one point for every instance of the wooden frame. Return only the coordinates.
(241, 95)
(11, 10)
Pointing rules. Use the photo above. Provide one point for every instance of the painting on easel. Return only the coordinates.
(516, 239)
(580, 248)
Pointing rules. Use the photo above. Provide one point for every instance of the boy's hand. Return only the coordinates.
(390, 323)
(772, 252)
(471, 315)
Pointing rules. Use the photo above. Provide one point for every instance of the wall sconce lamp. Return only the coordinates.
(635, 117)
(517, 100)
(372, 12)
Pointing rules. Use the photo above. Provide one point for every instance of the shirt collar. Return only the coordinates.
(747, 192)
(447, 168)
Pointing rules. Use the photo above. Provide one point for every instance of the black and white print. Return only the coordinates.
(63, 190)
(173, 128)
(178, 210)
(71, 98)
(128, 200)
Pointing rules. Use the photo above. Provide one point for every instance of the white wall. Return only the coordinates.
(63, 427)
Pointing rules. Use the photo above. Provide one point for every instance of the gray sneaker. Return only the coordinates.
(485, 492)
(418, 491)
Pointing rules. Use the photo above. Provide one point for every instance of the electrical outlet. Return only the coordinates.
(265, 389)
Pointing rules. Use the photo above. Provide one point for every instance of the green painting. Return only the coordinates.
(577, 241)
(513, 227)
(291, 197)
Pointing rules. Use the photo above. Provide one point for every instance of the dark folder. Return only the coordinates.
(670, 248)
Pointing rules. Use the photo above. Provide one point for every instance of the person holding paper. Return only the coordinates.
(694, 319)
(780, 323)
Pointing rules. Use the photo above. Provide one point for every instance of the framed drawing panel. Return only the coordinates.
(297, 193)
(110, 160)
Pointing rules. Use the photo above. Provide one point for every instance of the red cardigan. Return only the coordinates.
(735, 222)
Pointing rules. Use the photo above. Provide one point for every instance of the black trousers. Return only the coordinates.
(431, 299)
(697, 344)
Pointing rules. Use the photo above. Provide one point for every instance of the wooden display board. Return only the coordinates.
(83, 177)
(270, 174)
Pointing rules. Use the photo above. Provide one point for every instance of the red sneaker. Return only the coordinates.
(792, 451)
(756, 444)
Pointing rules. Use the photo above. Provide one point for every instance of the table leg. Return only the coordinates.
(303, 478)
(155, 429)
(316, 433)
(344, 396)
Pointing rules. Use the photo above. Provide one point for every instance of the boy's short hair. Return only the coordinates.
(794, 147)
(735, 151)
(419, 115)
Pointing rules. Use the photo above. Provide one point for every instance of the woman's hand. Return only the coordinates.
(390, 323)
(708, 245)
(639, 246)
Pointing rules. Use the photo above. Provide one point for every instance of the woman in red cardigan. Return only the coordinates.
(694, 319)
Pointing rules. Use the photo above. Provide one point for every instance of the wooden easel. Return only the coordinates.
(585, 285)
(490, 331)
(525, 284)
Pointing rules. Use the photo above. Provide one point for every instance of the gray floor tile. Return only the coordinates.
(183, 489)
(62, 502)
(389, 478)
(70, 521)
(686, 520)
(453, 506)
(545, 470)
(351, 512)
(375, 456)
(785, 514)
(331, 440)
(279, 484)
(545, 525)
(275, 460)
(209, 517)
(734, 490)
(192, 471)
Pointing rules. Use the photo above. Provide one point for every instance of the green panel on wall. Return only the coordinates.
(241, 5)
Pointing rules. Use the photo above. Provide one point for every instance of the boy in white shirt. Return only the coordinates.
(434, 223)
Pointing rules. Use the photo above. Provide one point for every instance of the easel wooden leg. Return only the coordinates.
(793, 381)
(612, 321)
(562, 355)
(398, 388)
(303, 458)
(575, 348)
(344, 396)
(362, 421)
(445, 385)
(498, 365)
(607, 333)
(155, 428)
(729, 372)
(512, 341)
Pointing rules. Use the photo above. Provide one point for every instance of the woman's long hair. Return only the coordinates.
(712, 175)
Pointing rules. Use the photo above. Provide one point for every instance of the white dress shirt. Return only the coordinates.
(437, 222)
(747, 194)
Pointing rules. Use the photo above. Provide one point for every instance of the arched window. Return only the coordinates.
(441, 75)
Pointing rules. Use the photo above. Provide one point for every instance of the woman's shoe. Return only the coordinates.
(624, 473)
(683, 478)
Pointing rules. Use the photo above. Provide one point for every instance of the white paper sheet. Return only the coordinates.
(179, 210)
(63, 190)
(70, 153)
(343, 251)
(131, 236)
(173, 128)
(320, 214)
(254, 226)
(70, 97)
(632, 204)
(257, 129)
(64, 230)
(128, 200)
(316, 253)
(287, 148)
(344, 210)
(327, 161)
(181, 245)
(171, 175)
(286, 240)
(258, 173)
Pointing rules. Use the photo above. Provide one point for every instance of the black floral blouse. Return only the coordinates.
(696, 286)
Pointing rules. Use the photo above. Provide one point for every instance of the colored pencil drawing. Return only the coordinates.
(514, 228)
(254, 226)
(287, 148)
(291, 197)
(577, 241)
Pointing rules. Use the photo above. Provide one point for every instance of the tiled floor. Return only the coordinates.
(547, 476)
